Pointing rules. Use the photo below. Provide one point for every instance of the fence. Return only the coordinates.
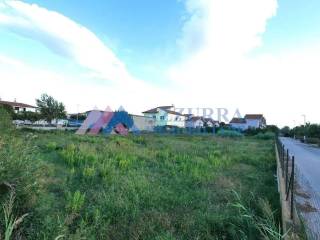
(287, 171)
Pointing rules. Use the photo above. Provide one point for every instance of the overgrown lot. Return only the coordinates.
(137, 187)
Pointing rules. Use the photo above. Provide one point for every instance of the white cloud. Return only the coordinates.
(217, 69)
(69, 39)
(26, 82)
(226, 27)
(62, 36)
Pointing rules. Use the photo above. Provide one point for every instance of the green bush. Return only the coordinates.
(52, 146)
(229, 133)
(313, 141)
(266, 135)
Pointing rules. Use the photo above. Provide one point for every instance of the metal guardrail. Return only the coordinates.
(287, 169)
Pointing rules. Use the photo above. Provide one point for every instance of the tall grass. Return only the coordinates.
(138, 187)
(11, 222)
(265, 223)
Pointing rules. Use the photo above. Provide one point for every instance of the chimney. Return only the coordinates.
(15, 100)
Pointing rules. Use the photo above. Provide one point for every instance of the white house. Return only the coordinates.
(250, 121)
(19, 107)
(195, 122)
(166, 116)
(239, 123)
(209, 122)
(255, 121)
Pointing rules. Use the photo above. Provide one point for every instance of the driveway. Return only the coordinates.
(307, 160)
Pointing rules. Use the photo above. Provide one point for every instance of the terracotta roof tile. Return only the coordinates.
(17, 104)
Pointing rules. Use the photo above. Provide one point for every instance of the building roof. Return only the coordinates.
(135, 115)
(210, 120)
(174, 113)
(253, 116)
(238, 120)
(17, 104)
(195, 118)
(155, 110)
(166, 109)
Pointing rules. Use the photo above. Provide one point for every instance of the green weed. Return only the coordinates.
(75, 201)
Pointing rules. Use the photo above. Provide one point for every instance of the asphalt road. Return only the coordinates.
(307, 193)
(307, 159)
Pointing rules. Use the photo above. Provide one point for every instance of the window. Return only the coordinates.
(154, 117)
(16, 108)
(24, 109)
(161, 117)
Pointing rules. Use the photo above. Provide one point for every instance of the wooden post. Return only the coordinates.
(283, 155)
(292, 188)
(287, 168)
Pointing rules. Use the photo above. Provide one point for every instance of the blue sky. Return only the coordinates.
(296, 24)
(139, 32)
(189, 52)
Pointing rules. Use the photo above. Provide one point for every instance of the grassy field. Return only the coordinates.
(137, 187)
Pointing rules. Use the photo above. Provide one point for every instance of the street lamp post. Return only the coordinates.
(294, 127)
(304, 121)
(77, 113)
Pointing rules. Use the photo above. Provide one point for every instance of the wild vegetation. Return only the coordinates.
(57, 185)
(48, 107)
(309, 133)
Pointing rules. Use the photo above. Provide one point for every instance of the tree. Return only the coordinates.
(50, 108)
(285, 131)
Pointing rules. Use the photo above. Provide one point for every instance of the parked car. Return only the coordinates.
(18, 122)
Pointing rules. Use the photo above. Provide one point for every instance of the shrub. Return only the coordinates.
(51, 146)
(229, 133)
(313, 141)
(266, 136)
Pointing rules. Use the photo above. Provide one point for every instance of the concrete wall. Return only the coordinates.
(143, 123)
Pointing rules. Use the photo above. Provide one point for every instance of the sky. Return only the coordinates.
(258, 56)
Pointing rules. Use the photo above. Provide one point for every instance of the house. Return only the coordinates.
(255, 121)
(209, 122)
(166, 116)
(195, 122)
(250, 121)
(238, 123)
(19, 107)
(143, 123)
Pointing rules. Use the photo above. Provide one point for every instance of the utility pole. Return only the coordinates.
(304, 122)
(77, 113)
(294, 127)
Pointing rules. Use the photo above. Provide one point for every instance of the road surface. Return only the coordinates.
(307, 160)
